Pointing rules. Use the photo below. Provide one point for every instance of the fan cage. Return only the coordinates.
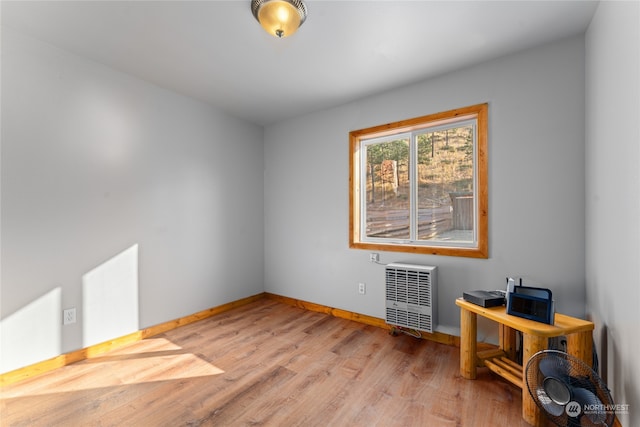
(578, 376)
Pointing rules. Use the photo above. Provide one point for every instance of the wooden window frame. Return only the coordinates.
(481, 250)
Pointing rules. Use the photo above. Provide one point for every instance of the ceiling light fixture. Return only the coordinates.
(280, 18)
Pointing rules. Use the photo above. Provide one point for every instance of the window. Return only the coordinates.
(420, 185)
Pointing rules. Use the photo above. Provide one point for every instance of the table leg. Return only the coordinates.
(507, 338)
(468, 343)
(530, 411)
(580, 345)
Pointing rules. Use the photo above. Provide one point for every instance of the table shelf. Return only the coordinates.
(507, 369)
(498, 362)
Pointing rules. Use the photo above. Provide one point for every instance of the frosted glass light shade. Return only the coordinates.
(280, 18)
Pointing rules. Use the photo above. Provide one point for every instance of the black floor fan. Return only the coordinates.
(568, 391)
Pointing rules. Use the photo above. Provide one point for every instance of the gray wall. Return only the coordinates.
(613, 197)
(131, 203)
(536, 187)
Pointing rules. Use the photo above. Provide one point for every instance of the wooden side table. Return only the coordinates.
(535, 338)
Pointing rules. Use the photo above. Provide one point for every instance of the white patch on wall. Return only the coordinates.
(32, 333)
(110, 299)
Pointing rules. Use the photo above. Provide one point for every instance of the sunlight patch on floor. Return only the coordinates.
(150, 360)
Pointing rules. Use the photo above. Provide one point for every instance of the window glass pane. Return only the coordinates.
(420, 185)
(445, 185)
(387, 189)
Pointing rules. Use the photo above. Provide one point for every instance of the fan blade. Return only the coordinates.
(553, 366)
(549, 405)
(591, 406)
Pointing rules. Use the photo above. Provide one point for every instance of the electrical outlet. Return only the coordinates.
(362, 288)
(69, 316)
(374, 257)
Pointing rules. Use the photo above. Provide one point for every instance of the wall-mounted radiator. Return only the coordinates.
(411, 296)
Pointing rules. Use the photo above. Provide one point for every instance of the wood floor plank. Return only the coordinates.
(270, 364)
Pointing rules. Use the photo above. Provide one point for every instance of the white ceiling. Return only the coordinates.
(215, 51)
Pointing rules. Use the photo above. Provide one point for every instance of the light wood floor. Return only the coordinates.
(269, 364)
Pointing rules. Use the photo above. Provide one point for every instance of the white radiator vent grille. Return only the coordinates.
(408, 319)
(411, 297)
